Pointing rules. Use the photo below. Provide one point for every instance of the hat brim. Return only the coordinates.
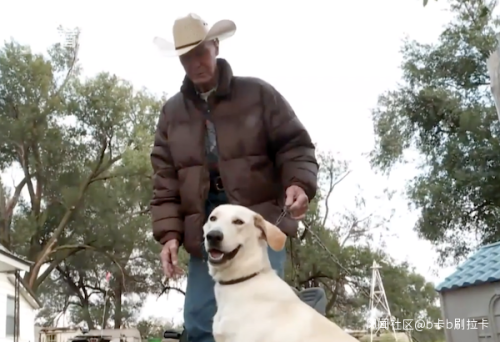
(221, 30)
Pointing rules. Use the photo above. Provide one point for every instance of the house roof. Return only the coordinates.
(26, 292)
(483, 267)
(13, 255)
(18, 264)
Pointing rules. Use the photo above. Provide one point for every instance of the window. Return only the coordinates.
(51, 338)
(482, 327)
(9, 324)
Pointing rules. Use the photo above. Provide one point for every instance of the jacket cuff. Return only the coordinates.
(171, 236)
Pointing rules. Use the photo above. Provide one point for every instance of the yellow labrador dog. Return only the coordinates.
(253, 303)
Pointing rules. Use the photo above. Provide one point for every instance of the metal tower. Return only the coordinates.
(379, 307)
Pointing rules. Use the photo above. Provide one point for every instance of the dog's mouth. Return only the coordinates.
(218, 257)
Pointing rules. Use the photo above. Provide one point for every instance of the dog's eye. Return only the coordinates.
(238, 222)
(213, 218)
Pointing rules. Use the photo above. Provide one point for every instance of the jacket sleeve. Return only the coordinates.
(168, 224)
(294, 151)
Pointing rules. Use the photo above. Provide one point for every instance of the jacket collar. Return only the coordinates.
(223, 85)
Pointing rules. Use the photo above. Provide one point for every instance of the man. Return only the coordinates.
(222, 139)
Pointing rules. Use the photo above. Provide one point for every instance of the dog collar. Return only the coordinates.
(238, 280)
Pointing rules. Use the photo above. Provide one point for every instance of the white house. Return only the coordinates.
(470, 298)
(58, 334)
(28, 303)
(67, 334)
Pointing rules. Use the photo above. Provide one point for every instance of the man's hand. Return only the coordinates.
(169, 259)
(296, 202)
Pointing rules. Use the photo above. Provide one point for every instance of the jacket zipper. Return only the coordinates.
(204, 192)
(205, 161)
(218, 154)
(208, 111)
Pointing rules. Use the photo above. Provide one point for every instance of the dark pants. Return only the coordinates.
(199, 304)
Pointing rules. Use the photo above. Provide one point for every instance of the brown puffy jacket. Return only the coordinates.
(263, 149)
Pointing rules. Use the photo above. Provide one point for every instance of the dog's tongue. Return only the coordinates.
(215, 253)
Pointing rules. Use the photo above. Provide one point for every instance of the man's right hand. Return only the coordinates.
(169, 259)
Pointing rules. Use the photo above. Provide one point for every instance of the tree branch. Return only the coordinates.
(49, 246)
(116, 175)
(39, 179)
(11, 204)
(52, 266)
(92, 248)
(67, 278)
(330, 190)
(352, 229)
(23, 159)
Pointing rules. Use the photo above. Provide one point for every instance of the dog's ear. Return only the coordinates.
(274, 236)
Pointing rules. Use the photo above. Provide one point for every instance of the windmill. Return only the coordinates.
(70, 38)
(379, 306)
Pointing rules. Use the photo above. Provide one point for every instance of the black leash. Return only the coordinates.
(283, 214)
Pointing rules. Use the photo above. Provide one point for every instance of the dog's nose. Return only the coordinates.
(215, 236)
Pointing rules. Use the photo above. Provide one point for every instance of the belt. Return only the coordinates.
(216, 184)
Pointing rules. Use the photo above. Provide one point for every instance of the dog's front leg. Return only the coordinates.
(218, 329)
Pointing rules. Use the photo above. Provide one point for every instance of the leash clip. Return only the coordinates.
(283, 214)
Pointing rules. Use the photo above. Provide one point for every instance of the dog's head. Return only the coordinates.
(235, 234)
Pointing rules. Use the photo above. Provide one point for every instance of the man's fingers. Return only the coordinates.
(166, 261)
(303, 199)
(290, 196)
(301, 202)
(173, 255)
(296, 205)
(170, 271)
(165, 255)
(167, 268)
(178, 271)
(299, 208)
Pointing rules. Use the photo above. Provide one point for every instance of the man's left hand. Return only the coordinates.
(296, 202)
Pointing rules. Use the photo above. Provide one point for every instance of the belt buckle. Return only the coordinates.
(218, 184)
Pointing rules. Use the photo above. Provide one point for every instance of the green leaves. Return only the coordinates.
(444, 112)
(82, 147)
(344, 271)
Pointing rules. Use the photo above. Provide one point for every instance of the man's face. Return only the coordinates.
(201, 62)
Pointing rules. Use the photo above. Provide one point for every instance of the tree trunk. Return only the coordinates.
(118, 304)
(87, 317)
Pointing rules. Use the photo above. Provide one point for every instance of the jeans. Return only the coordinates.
(199, 304)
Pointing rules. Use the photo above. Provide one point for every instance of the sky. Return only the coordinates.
(331, 60)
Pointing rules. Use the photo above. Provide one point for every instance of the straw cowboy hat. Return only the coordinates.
(190, 31)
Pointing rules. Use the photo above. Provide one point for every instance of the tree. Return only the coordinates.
(82, 148)
(336, 252)
(154, 327)
(117, 229)
(426, 2)
(443, 111)
(411, 296)
(311, 257)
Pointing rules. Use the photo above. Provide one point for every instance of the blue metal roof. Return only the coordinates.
(481, 268)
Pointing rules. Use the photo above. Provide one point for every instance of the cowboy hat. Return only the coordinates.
(190, 31)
